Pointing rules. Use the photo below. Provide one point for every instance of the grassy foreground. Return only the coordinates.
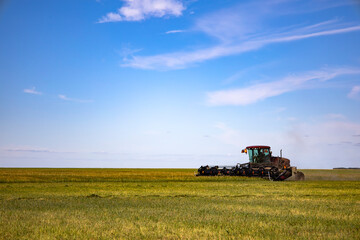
(173, 204)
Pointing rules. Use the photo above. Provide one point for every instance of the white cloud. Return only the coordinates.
(32, 91)
(354, 93)
(65, 98)
(250, 19)
(111, 17)
(243, 28)
(179, 60)
(175, 31)
(235, 23)
(137, 10)
(314, 34)
(258, 92)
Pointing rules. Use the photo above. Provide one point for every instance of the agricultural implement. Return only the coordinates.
(261, 164)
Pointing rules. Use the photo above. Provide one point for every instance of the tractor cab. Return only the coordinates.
(258, 154)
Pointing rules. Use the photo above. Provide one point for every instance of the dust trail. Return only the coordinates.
(352, 174)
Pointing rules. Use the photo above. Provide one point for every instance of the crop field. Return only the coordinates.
(174, 204)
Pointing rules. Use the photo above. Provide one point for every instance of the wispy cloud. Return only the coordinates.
(280, 109)
(253, 18)
(28, 149)
(252, 70)
(65, 98)
(354, 93)
(335, 116)
(179, 60)
(175, 31)
(32, 91)
(258, 92)
(32, 149)
(242, 28)
(137, 10)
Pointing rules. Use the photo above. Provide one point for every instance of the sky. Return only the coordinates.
(178, 83)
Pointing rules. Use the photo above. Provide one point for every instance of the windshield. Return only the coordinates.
(250, 152)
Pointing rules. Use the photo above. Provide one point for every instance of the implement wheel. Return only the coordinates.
(261, 172)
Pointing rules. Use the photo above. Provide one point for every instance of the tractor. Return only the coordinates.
(261, 164)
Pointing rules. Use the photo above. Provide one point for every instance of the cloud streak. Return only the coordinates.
(65, 98)
(174, 31)
(137, 10)
(243, 28)
(29, 149)
(32, 91)
(354, 93)
(258, 92)
(180, 60)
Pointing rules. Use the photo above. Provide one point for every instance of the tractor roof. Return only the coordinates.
(257, 146)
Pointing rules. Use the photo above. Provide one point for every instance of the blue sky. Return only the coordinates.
(170, 83)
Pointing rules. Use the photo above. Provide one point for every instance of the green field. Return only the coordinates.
(173, 204)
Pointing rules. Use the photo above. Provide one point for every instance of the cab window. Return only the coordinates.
(265, 151)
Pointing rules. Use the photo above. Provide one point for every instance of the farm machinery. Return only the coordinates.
(261, 164)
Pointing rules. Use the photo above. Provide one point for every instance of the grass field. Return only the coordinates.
(173, 204)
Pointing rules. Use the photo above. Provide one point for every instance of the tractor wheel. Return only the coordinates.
(261, 171)
(299, 176)
(274, 172)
